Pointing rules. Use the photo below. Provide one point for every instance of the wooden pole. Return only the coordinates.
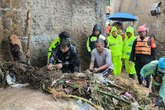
(29, 35)
(29, 29)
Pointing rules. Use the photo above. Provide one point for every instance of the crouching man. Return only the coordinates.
(157, 70)
(64, 57)
(101, 59)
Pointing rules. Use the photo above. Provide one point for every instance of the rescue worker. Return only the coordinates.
(96, 34)
(127, 48)
(64, 57)
(115, 44)
(62, 35)
(119, 27)
(107, 30)
(157, 70)
(143, 51)
(101, 59)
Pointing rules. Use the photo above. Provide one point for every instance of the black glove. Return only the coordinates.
(91, 70)
(159, 102)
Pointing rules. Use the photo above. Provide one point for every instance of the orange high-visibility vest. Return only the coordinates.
(142, 46)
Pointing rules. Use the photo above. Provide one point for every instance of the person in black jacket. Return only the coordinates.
(143, 52)
(96, 34)
(65, 58)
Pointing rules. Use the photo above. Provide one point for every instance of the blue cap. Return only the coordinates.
(161, 65)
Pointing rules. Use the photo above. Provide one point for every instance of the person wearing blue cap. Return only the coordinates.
(157, 70)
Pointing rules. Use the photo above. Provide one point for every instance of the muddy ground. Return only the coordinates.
(28, 99)
(35, 99)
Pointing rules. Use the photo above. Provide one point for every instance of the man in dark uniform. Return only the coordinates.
(65, 58)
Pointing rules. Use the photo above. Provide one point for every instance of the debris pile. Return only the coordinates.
(99, 92)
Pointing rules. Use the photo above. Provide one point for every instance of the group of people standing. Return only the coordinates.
(109, 53)
(137, 53)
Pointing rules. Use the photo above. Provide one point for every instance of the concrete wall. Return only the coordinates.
(49, 18)
(141, 8)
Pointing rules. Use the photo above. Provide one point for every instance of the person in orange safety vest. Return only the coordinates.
(143, 52)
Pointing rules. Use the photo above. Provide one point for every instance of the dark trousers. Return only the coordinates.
(138, 67)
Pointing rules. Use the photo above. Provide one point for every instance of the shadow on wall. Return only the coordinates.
(1, 35)
(39, 48)
(39, 62)
(84, 55)
(5, 51)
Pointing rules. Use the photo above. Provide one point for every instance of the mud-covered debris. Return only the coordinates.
(108, 93)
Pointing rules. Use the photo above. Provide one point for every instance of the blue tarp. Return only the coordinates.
(123, 17)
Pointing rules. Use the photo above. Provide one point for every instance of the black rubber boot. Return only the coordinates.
(132, 76)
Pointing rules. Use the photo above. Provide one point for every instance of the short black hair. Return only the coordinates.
(96, 28)
(65, 42)
(64, 35)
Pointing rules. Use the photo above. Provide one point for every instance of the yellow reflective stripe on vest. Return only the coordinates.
(88, 47)
(115, 45)
(53, 45)
(93, 38)
(127, 47)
